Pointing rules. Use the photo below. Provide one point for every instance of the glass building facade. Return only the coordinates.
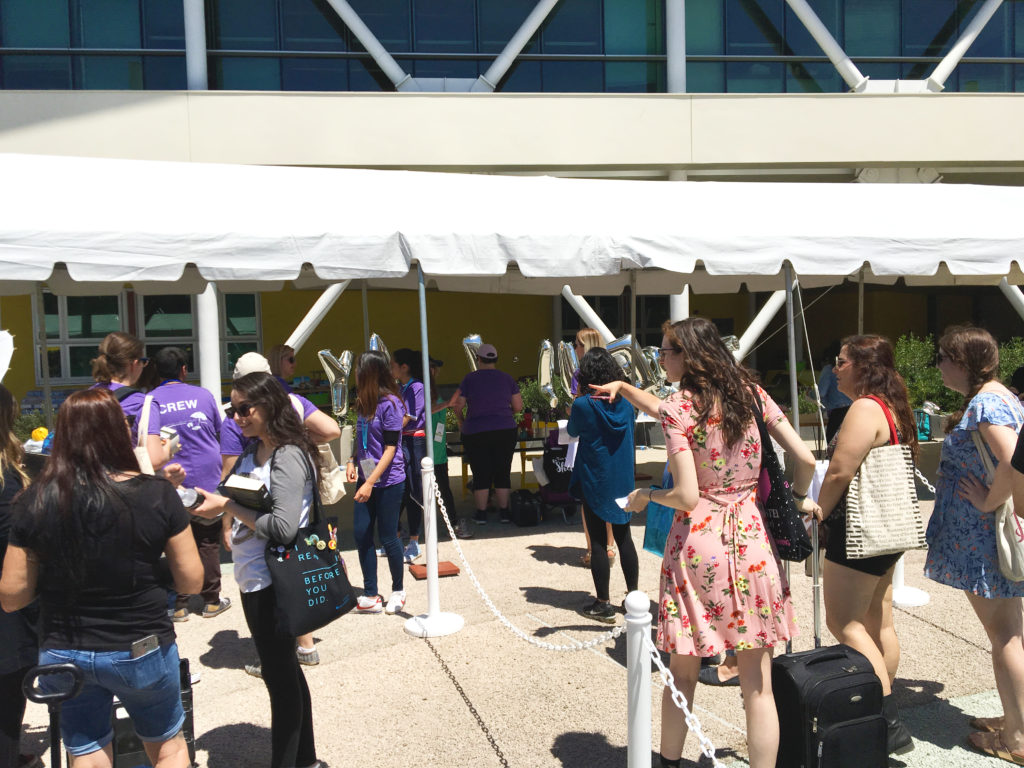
(733, 46)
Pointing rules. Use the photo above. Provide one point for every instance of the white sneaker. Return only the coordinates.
(366, 604)
(396, 602)
(413, 551)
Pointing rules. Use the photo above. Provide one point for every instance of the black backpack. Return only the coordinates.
(525, 508)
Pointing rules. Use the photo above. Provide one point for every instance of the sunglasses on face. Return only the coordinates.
(941, 357)
(667, 351)
(841, 361)
(289, 360)
(242, 409)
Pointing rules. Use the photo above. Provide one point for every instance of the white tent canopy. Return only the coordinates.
(167, 226)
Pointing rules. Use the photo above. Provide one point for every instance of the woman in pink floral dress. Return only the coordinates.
(721, 583)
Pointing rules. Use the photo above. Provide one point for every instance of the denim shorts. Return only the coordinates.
(149, 687)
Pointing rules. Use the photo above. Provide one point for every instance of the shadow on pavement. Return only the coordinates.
(590, 749)
(567, 599)
(228, 650)
(236, 744)
(545, 553)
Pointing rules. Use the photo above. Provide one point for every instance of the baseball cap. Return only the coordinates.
(487, 353)
(435, 363)
(251, 362)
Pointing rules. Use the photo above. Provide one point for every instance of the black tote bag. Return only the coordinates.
(784, 523)
(310, 579)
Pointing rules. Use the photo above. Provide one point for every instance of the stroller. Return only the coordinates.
(554, 477)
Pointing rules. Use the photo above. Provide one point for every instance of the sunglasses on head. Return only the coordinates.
(242, 409)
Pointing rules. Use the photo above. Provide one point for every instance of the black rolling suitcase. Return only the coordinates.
(128, 749)
(829, 702)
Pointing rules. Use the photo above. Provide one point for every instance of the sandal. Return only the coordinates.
(585, 560)
(611, 555)
(988, 724)
(991, 744)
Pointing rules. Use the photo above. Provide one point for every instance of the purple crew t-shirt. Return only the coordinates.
(132, 406)
(194, 412)
(232, 441)
(488, 394)
(412, 396)
(369, 440)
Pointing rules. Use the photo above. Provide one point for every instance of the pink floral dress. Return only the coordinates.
(721, 583)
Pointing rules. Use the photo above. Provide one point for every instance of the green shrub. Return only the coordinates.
(915, 361)
(1011, 357)
(26, 422)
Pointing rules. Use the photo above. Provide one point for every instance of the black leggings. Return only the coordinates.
(490, 457)
(291, 711)
(600, 569)
(445, 487)
(12, 710)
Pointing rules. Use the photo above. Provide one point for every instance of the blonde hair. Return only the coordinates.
(10, 448)
(589, 338)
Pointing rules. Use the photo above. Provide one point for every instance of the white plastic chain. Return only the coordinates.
(679, 700)
(924, 480)
(580, 646)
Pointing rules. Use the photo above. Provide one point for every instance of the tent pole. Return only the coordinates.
(433, 623)
(860, 302)
(44, 360)
(315, 315)
(208, 320)
(366, 318)
(794, 397)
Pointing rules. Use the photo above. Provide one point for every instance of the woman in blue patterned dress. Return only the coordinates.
(961, 532)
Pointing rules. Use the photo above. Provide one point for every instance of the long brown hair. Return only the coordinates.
(10, 449)
(873, 358)
(284, 425)
(720, 386)
(974, 350)
(373, 381)
(117, 353)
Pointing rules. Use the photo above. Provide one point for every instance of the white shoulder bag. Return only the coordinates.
(140, 449)
(1009, 531)
(332, 489)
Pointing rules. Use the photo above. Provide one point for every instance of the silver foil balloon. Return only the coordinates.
(568, 364)
(471, 344)
(546, 372)
(337, 372)
(377, 344)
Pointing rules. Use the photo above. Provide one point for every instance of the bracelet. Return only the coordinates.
(650, 495)
(798, 496)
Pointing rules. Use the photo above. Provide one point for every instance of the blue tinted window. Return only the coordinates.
(499, 20)
(389, 20)
(985, 78)
(165, 73)
(929, 27)
(1018, 30)
(163, 24)
(754, 27)
(109, 73)
(872, 27)
(522, 77)
(445, 26)
(705, 77)
(311, 26)
(314, 74)
(36, 72)
(572, 76)
(883, 71)
(365, 75)
(634, 26)
(1019, 77)
(705, 27)
(995, 37)
(634, 77)
(572, 27)
(243, 25)
(106, 24)
(812, 77)
(753, 77)
(34, 23)
(243, 74)
(798, 40)
(444, 68)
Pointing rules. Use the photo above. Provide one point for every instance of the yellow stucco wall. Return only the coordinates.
(16, 317)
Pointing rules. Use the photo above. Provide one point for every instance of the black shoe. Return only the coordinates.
(504, 515)
(480, 517)
(709, 676)
(899, 740)
(600, 611)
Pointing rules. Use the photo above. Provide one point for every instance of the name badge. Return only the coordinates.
(439, 432)
(367, 465)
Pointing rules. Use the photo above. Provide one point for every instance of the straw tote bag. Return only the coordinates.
(883, 516)
(1009, 531)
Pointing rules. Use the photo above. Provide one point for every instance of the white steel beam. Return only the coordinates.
(759, 323)
(846, 68)
(315, 314)
(936, 81)
(1014, 295)
(489, 80)
(391, 69)
(675, 45)
(587, 313)
(195, 45)
(208, 327)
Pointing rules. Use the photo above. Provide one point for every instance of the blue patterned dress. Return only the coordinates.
(961, 540)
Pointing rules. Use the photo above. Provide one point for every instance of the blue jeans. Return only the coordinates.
(149, 687)
(381, 508)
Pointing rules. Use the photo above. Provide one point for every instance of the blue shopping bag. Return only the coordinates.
(659, 520)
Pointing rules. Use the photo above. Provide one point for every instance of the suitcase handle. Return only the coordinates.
(829, 655)
(32, 693)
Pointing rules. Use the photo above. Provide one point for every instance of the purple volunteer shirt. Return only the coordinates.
(369, 440)
(412, 396)
(232, 441)
(488, 394)
(132, 406)
(194, 412)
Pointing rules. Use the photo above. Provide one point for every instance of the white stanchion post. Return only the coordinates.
(638, 674)
(434, 623)
(904, 596)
